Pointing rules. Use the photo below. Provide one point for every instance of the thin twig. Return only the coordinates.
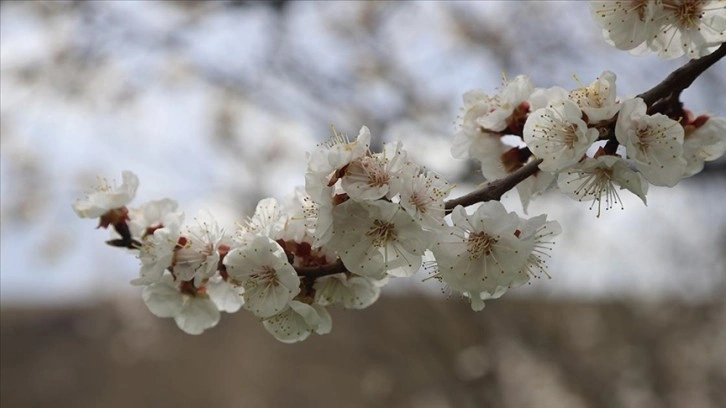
(496, 189)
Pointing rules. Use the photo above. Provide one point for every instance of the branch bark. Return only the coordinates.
(495, 189)
(682, 78)
(320, 271)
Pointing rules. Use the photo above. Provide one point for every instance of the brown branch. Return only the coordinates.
(682, 78)
(496, 189)
(126, 241)
(320, 271)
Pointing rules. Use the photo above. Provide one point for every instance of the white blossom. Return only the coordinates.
(226, 296)
(369, 177)
(668, 27)
(197, 255)
(105, 197)
(533, 186)
(422, 196)
(480, 251)
(338, 151)
(481, 145)
(192, 312)
(471, 140)
(376, 238)
(484, 146)
(268, 279)
(503, 105)
(489, 252)
(319, 216)
(352, 291)
(541, 97)
(536, 236)
(268, 220)
(558, 135)
(298, 321)
(627, 25)
(150, 216)
(500, 162)
(595, 180)
(476, 104)
(653, 142)
(704, 143)
(331, 156)
(692, 27)
(157, 251)
(297, 226)
(597, 100)
(476, 300)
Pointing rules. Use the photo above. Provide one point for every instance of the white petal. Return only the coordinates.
(105, 198)
(267, 300)
(291, 325)
(705, 143)
(197, 315)
(226, 297)
(558, 135)
(163, 299)
(354, 292)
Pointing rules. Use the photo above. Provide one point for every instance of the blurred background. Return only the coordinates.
(214, 104)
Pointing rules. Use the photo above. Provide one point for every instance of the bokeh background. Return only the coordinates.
(214, 104)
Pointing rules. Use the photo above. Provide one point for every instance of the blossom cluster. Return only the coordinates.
(362, 219)
(589, 140)
(387, 215)
(670, 28)
(365, 218)
(193, 272)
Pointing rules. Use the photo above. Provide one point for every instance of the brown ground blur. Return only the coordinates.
(402, 352)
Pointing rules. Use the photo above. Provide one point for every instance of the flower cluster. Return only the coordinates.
(385, 212)
(486, 253)
(364, 218)
(671, 28)
(590, 141)
(378, 209)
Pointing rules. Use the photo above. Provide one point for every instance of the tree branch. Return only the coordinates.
(320, 271)
(671, 88)
(682, 78)
(496, 189)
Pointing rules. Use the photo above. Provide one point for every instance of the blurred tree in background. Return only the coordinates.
(216, 103)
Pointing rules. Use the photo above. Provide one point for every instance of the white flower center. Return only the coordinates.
(376, 175)
(651, 135)
(639, 6)
(558, 131)
(688, 13)
(597, 183)
(382, 232)
(419, 201)
(570, 135)
(480, 243)
(267, 275)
